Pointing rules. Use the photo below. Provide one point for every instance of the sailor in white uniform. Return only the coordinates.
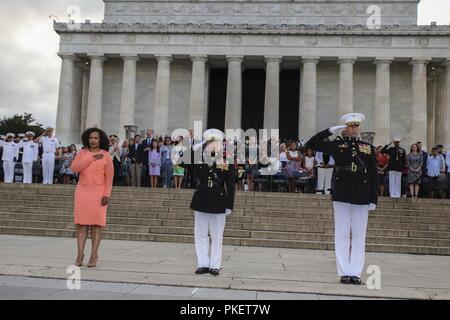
(29, 156)
(10, 151)
(50, 146)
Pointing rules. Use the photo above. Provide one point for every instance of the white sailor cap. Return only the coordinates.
(213, 134)
(21, 135)
(352, 119)
(10, 135)
(397, 139)
(29, 133)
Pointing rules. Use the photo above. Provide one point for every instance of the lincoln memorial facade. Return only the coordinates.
(296, 65)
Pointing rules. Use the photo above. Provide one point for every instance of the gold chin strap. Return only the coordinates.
(352, 124)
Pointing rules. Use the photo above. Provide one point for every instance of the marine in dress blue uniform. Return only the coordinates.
(212, 201)
(355, 192)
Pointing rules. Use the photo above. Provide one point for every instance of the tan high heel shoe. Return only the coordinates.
(92, 264)
(79, 263)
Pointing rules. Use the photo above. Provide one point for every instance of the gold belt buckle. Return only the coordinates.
(354, 167)
(210, 183)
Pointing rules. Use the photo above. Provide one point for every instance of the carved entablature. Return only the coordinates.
(331, 12)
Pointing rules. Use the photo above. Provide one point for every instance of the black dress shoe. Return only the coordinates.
(356, 280)
(345, 280)
(202, 270)
(214, 272)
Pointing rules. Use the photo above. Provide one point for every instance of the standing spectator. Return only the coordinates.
(397, 162)
(146, 144)
(66, 171)
(166, 162)
(190, 181)
(309, 162)
(325, 165)
(154, 164)
(136, 154)
(447, 163)
(51, 147)
(29, 156)
(178, 171)
(10, 150)
(283, 157)
(251, 169)
(434, 165)
(114, 151)
(125, 163)
(293, 166)
(414, 163)
(94, 164)
(422, 191)
(382, 165)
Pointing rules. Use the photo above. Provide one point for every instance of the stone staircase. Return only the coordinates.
(260, 219)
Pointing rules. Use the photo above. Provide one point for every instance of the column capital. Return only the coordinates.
(164, 57)
(68, 56)
(133, 57)
(235, 58)
(199, 57)
(383, 60)
(419, 61)
(97, 57)
(309, 59)
(277, 59)
(351, 60)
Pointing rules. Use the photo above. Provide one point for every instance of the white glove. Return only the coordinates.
(372, 206)
(335, 129)
(228, 211)
(197, 146)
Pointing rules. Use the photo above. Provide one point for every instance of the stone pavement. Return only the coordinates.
(129, 269)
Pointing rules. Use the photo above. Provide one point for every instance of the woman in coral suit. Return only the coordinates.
(92, 194)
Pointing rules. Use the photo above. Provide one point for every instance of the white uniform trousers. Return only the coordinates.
(27, 172)
(350, 218)
(8, 171)
(48, 165)
(395, 184)
(214, 224)
(324, 176)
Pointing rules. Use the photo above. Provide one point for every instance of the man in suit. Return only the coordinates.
(137, 156)
(190, 183)
(422, 189)
(147, 145)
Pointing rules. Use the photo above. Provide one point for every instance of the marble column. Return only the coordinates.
(419, 101)
(75, 136)
(443, 106)
(161, 118)
(197, 103)
(64, 123)
(94, 108)
(382, 102)
(128, 98)
(272, 93)
(431, 108)
(233, 108)
(345, 85)
(85, 98)
(308, 96)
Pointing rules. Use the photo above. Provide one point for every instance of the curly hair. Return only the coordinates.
(104, 140)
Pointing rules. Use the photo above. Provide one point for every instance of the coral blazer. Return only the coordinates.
(94, 172)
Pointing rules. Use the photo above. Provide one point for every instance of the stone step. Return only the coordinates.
(262, 224)
(277, 235)
(406, 249)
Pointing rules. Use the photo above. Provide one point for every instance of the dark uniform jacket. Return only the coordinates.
(355, 174)
(215, 188)
(137, 155)
(397, 157)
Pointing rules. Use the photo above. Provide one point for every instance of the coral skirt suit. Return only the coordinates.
(96, 180)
